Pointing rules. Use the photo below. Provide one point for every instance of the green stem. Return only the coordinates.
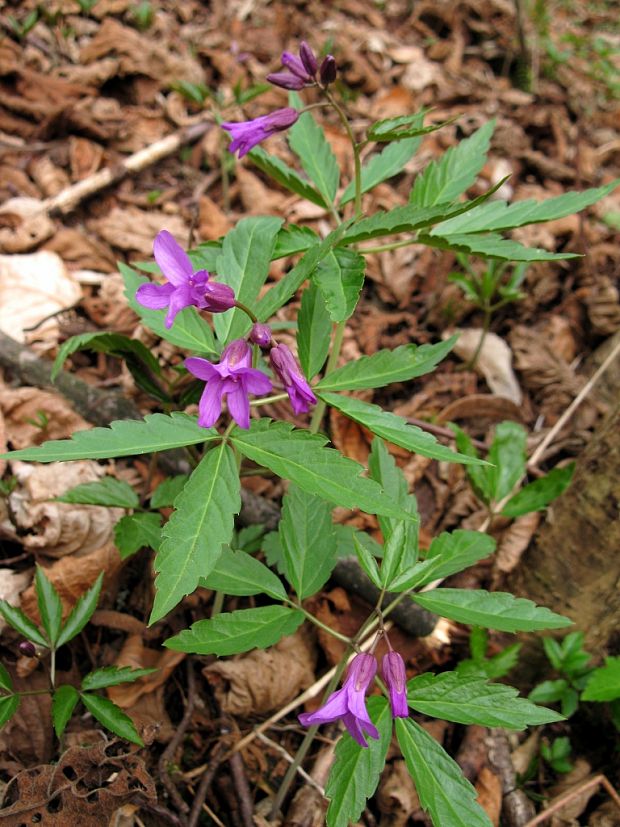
(393, 245)
(218, 603)
(267, 400)
(356, 153)
(317, 416)
(53, 667)
(485, 329)
(321, 625)
(246, 310)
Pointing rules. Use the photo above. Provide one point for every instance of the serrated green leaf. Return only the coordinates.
(383, 469)
(294, 239)
(356, 770)
(302, 457)
(387, 366)
(402, 127)
(244, 266)
(451, 175)
(549, 692)
(81, 613)
(22, 624)
(237, 572)
(346, 536)
(538, 494)
(314, 332)
(112, 676)
(234, 632)
(494, 610)
(285, 175)
(308, 541)
(604, 683)
(50, 607)
(340, 277)
(448, 554)
(471, 700)
(393, 428)
(195, 533)
(383, 165)
(124, 438)
(108, 491)
(166, 492)
(398, 557)
(189, 330)
(367, 561)
(478, 475)
(141, 363)
(307, 140)
(508, 457)
(112, 717)
(498, 215)
(8, 707)
(64, 701)
(403, 219)
(490, 245)
(6, 681)
(444, 793)
(136, 531)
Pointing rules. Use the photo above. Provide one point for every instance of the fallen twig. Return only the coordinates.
(570, 796)
(168, 754)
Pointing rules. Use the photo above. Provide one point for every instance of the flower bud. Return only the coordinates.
(294, 65)
(260, 335)
(27, 649)
(286, 80)
(395, 676)
(308, 58)
(328, 70)
(218, 297)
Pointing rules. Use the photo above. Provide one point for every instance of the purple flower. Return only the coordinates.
(184, 287)
(393, 670)
(308, 58)
(328, 70)
(233, 377)
(286, 369)
(246, 134)
(286, 80)
(297, 67)
(260, 335)
(349, 703)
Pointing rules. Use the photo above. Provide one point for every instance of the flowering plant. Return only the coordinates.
(218, 308)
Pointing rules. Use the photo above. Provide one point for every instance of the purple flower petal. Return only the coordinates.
(286, 80)
(154, 296)
(239, 406)
(210, 405)
(179, 300)
(294, 65)
(201, 368)
(256, 382)
(172, 259)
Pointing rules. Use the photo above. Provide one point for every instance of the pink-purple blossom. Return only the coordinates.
(233, 378)
(395, 677)
(288, 372)
(185, 286)
(349, 703)
(247, 134)
(302, 69)
(260, 335)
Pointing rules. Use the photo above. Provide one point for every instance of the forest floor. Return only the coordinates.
(85, 84)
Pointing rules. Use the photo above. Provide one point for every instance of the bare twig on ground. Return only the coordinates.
(215, 759)
(516, 806)
(570, 796)
(242, 788)
(168, 754)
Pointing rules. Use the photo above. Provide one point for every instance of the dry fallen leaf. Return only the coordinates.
(12, 584)
(22, 409)
(132, 229)
(136, 655)
(24, 224)
(489, 789)
(397, 798)
(515, 541)
(494, 361)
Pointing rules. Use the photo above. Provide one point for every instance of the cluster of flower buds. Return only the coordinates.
(301, 72)
(234, 377)
(348, 704)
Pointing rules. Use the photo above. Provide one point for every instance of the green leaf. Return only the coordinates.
(64, 701)
(307, 140)
(6, 681)
(50, 607)
(367, 561)
(244, 266)
(195, 533)
(538, 494)
(383, 469)
(112, 717)
(495, 610)
(302, 457)
(383, 165)
(308, 541)
(234, 632)
(340, 277)
(141, 363)
(356, 770)
(22, 624)
(478, 474)
(112, 676)
(549, 692)
(490, 245)
(498, 215)
(387, 366)
(294, 239)
(81, 613)
(444, 793)
(136, 531)
(450, 553)
(398, 558)
(404, 126)
(166, 492)
(189, 330)
(286, 176)
(108, 491)
(314, 332)
(393, 428)
(457, 169)
(471, 700)
(124, 438)
(237, 572)
(604, 682)
(507, 456)
(403, 219)
(8, 708)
